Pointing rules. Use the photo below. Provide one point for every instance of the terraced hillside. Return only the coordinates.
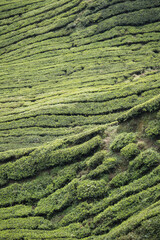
(80, 119)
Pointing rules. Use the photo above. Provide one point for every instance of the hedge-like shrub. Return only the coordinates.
(129, 151)
(26, 223)
(148, 106)
(133, 222)
(90, 189)
(125, 208)
(106, 167)
(153, 128)
(120, 179)
(61, 198)
(150, 228)
(40, 160)
(134, 187)
(96, 159)
(16, 211)
(77, 214)
(144, 162)
(122, 140)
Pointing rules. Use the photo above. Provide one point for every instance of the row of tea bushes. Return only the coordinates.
(124, 209)
(112, 196)
(25, 223)
(38, 161)
(149, 106)
(132, 223)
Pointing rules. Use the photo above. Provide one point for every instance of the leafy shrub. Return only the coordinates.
(153, 128)
(63, 176)
(122, 140)
(134, 187)
(77, 213)
(150, 228)
(134, 221)
(16, 211)
(90, 189)
(12, 155)
(129, 151)
(107, 165)
(27, 191)
(142, 145)
(158, 115)
(39, 160)
(148, 106)
(120, 179)
(144, 162)
(61, 198)
(28, 223)
(141, 165)
(124, 209)
(96, 159)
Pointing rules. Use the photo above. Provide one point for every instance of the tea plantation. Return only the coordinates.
(80, 119)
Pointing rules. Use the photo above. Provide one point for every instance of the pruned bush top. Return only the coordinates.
(130, 150)
(122, 140)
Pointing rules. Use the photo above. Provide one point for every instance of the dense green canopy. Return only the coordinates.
(80, 119)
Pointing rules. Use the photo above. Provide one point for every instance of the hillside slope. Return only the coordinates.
(80, 119)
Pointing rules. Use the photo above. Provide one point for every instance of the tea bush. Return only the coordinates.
(110, 216)
(132, 188)
(26, 223)
(130, 151)
(133, 222)
(58, 200)
(78, 213)
(144, 162)
(16, 211)
(69, 70)
(108, 165)
(153, 128)
(96, 159)
(36, 161)
(150, 228)
(122, 140)
(149, 106)
(120, 179)
(89, 189)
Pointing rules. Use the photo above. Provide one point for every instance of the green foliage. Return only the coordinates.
(124, 209)
(28, 191)
(58, 200)
(115, 195)
(153, 128)
(120, 179)
(150, 228)
(133, 222)
(144, 162)
(66, 232)
(86, 210)
(108, 165)
(37, 160)
(141, 165)
(69, 68)
(89, 189)
(16, 211)
(28, 223)
(149, 106)
(96, 159)
(12, 155)
(129, 151)
(122, 140)
(78, 213)
(65, 175)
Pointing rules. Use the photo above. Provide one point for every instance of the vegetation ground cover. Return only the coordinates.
(79, 119)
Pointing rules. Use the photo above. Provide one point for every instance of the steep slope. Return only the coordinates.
(79, 119)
